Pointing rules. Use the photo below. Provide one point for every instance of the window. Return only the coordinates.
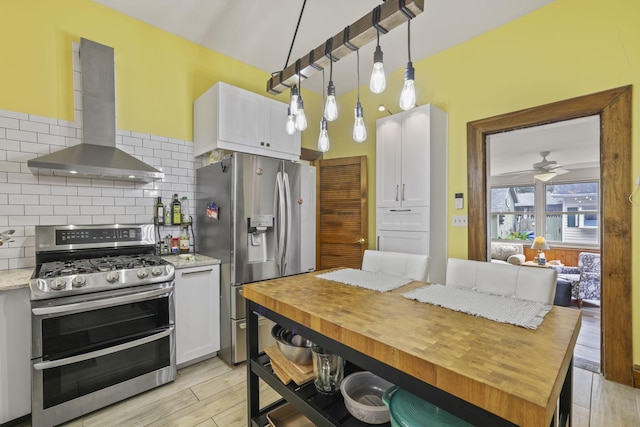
(571, 212)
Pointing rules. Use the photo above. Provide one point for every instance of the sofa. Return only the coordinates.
(507, 252)
(533, 284)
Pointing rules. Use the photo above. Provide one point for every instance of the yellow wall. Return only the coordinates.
(563, 50)
(566, 49)
(158, 75)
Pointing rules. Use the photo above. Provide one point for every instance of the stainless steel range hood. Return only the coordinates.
(97, 155)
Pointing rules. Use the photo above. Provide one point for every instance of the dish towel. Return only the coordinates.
(504, 309)
(366, 279)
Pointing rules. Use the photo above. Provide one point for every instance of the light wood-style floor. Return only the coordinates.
(213, 394)
(587, 351)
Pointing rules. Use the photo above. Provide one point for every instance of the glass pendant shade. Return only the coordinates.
(331, 107)
(378, 81)
(323, 138)
(301, 119)
(290, 126)
(408, 95)
(359, 130)
(293, 102)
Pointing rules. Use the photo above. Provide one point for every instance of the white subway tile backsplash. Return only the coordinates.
(9, 166)
(34, 147)
(22, 135)
(92, 210)
(9, 144)
(64, 190)
(38, 210)
(112, 192)
(16, 220)
(35, 189)
(59, 141)
(9, 123)
(33, 126)
(66, 210)
(53, 200)
(27, 200)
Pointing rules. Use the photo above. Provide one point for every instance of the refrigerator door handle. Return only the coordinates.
(281, 218)
(287, 244)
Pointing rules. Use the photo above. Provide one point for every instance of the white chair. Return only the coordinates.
(413, 266)
(530, 283)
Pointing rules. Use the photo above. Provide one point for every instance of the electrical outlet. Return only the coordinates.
(637, 181)
(459, 221)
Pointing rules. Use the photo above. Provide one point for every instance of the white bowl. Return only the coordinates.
(362, 392)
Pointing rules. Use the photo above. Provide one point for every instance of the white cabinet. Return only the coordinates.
(231, 118)
(411, 185)
(197, 309)
(15, 354)
(403, 159)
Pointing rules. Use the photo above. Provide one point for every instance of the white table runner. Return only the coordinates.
(504, 309)
(366, 279)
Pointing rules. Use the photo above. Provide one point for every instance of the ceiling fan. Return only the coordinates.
(544, 169)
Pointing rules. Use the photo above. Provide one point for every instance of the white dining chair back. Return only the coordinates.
(413, 266)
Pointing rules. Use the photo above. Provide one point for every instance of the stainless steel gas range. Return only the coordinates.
(102, 311)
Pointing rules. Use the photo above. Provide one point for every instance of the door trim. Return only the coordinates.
(614, 108)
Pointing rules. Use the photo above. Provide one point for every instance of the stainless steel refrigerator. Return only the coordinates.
(258, 216)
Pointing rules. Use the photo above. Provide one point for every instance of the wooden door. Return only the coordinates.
(342, 212)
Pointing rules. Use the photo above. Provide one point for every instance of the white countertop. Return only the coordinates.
(15, 279)
(19, 278)
(190, 260)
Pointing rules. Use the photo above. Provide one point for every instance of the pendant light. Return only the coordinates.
(331, 107)
(290, 126)
(359, 130)
(323, 139)
(408, 95)
(293, 100)
(378, 81)
(301, 119)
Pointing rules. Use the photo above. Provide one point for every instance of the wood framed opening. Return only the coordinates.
(614, 108)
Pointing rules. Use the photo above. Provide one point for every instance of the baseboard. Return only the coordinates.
(636, 376)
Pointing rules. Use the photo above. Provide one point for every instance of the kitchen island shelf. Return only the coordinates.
(328, 415)
(322, 410)
(484, 372)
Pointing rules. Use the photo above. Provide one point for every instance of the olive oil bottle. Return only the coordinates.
(176, 213)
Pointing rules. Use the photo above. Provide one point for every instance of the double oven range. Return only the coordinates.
(102, 310)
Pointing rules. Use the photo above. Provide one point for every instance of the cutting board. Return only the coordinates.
(300, 374)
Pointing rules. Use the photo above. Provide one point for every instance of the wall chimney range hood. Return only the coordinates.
(97, 155)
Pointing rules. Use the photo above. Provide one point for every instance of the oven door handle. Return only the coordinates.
(106, 302)
(105, 351)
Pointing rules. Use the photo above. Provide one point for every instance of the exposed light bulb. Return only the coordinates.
(323, 138)
(378, 81)
(331, 107)
(301, 119)
(290, 126)
(359, 130)
(408, 95)
(293, 102)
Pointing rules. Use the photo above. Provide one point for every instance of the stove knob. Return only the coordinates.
(156, 271)
(58, 283)
(78, 281)
(142, 273)
(112, 276)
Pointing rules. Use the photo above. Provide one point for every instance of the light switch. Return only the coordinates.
(459, 201)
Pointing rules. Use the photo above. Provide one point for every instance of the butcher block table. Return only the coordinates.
(485, 372)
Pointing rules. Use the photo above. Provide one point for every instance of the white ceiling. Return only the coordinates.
(259, 32)
(574, 144)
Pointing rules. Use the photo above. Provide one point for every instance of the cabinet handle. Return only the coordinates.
(184, 273)
(262, 143)
(399, 210)
(403, 192)
(397, 189)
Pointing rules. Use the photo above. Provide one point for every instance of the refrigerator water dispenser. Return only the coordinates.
(260, 227)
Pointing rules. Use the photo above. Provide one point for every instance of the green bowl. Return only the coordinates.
(408, 410)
